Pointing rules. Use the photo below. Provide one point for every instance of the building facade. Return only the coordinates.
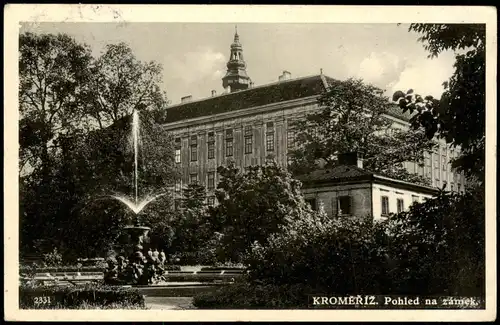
(349, 190)
(249, 124)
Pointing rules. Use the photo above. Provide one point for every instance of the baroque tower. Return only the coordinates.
(236, 77)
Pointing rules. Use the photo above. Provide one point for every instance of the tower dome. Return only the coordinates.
(236, 77)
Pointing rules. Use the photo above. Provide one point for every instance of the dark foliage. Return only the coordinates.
(459, 116)
(73, 297)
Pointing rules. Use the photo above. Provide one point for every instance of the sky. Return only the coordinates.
(194, 55)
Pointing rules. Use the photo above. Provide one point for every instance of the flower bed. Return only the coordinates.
(65, 297)
(49, 269)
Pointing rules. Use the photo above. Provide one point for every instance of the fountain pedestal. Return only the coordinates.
(137, 233)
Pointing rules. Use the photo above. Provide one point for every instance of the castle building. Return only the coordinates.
(249, 124)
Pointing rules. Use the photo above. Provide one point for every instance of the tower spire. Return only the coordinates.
(236, 36)
(236, 77)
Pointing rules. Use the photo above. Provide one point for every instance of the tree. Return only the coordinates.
(352, 118)
(439, 246)
(75, 147)
(121, 84)
(458, 116)
(191, 224)
(106, 167)
(53, 71)
(253, 205)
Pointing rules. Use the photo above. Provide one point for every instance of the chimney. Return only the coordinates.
(214, 93)
(351, 158)
(186, 99)
(285, 76)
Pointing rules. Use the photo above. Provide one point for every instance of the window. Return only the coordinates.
(178, 185)
(248, 131)
(194, 153)
(193, 178)
(211, 146)
(312, 203)
(270, 136)
(428, 167)
(248, 144)
(385, 205)
(229, 147)
(211, 201)
(459, 187)
(344, 205)
(211, 150)
(248, 139)
(443, 161)
(436, 160)
(211, 180)
(177, 156)
(177, 150)
(420, 170)
(229, 143)
(194, 148)
(415, 198)
(270, 141)
(452, 187)
(401, 205)
(290, 139)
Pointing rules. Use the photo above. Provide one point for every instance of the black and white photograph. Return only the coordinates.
(249, 163)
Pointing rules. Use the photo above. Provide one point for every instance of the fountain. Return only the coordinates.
(140, 268)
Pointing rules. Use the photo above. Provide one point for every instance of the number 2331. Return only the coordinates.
(42, 300)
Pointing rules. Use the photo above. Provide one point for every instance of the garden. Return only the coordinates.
(261, 240)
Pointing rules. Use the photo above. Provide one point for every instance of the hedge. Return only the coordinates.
(247, 295)
(72, 268)
(43, 297)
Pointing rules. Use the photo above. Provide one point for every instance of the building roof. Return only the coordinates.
(349, 173)
(342, 172)
(259, 96)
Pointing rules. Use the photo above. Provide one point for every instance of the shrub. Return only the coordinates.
(435, 248)
(251, 206)
(27, 269)
(171, 267)
(229, 265)
(247, 295)
(440, 246)
(53, 258)
(339, 256)
(73, 297)
(193, 258)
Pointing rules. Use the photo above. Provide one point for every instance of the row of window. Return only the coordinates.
(344, 204)
(193, 179)
(400, 204)
(210, 201)
(229, 143)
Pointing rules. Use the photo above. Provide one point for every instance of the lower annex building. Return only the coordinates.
(249, 124)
